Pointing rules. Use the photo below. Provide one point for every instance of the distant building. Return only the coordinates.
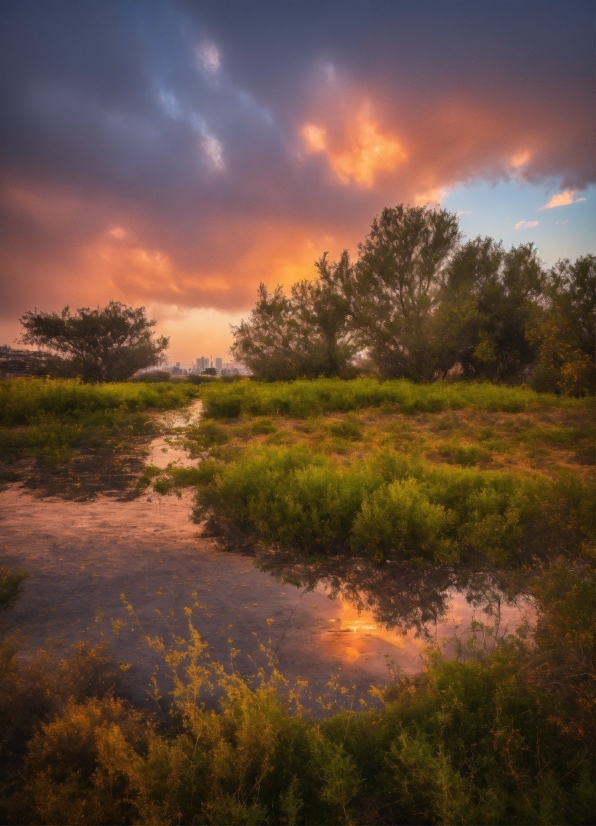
(218, 364)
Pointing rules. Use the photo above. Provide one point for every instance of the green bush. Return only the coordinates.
(391, 506)
(25, 401)
(466, 455)
(347, 429)
(398, 520)
(46, 418)
(208, 434)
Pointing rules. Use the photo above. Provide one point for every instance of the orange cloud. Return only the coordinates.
(563, 199)
(519, 159)
(361, 151)
(277, 253)
(434, 195)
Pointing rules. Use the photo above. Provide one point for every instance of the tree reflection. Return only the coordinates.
(399, 595)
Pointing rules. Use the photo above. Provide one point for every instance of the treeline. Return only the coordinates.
(420, 303)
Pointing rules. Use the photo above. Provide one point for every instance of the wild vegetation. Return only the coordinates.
(405, 479)
(434, 478)
(499, 738)
(431, 474)
(47, 426)
(421, 303)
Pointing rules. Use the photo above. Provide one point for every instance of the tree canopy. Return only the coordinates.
(394, 286)
(420, 303)
(106, 344)
(486, 303)
(305, 334)
(564, 329)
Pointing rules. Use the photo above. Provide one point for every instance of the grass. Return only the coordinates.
(448, 474)
(303, 399)
(24, 401)
(78, 429)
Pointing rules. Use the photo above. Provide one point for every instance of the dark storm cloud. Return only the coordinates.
(181, 152)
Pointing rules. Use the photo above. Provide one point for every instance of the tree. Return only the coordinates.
(106, 344)
(487, 301)
(565, 331)
(301, 335)
(263, 343)
(393, 288)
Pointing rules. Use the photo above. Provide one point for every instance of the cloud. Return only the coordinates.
(213, 151)
(521, 158)
(136, 168)
(563, 199)
(431, 196)
(464, 212)
(208, 58)
(359, 151)
(526, 224)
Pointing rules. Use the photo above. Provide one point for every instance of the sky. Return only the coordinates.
(174, 155)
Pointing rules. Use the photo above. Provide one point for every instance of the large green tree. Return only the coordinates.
(564, 331)
(393, 288)
(106, 344)
(303, 334)
(485, 305)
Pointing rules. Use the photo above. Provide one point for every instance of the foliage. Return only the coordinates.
(106, 344)
(390, 473)
(485, 739)
(310, 398)
(304, 334)
(34, 690)
(47, 419)
(485, 306)
(565, 330)
(420, 304)
(394, 287)
(389, 506)
(22, 401)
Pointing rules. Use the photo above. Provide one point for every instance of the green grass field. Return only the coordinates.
(429, 474)
(46, 425)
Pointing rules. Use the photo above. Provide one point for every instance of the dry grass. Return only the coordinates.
(544, 441)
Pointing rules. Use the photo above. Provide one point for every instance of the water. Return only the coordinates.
(87, 559)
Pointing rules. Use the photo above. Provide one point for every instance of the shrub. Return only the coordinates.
(46, 419)
(399, 521)
(391, 506)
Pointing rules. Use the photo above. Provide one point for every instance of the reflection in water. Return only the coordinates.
(396, 598)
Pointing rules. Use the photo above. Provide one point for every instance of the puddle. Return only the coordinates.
(167, 449)
(82, 556)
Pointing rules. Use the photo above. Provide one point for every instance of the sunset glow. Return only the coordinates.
(180, 163)
(362, 155)
(563, 199)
